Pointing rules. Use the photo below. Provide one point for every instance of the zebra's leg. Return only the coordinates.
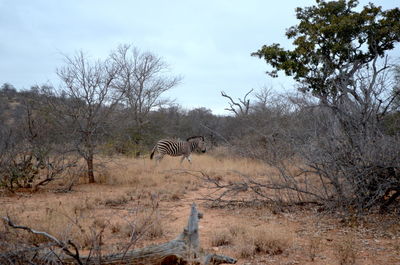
(158, 158)
(187, 157)
(183, 157)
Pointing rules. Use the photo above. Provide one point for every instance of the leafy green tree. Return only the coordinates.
(332, 42)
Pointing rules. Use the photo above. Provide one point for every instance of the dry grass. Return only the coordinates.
(271, 239)
(346, 250)
(150, 225)
(89, 217)
(221, 238)
(168, 178)
(122, 208)
(117, 205)
(314, 247)
(66, 219)
(238, 230)
(146, 172)
(247, 241)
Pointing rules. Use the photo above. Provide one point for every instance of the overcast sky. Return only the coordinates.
(207, 42)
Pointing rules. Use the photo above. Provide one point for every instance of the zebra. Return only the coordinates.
(179, 148)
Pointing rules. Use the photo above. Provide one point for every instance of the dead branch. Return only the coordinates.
(241, 108)
(250, 191)
(62, 245)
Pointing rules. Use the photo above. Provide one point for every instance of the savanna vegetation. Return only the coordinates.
(310, 177)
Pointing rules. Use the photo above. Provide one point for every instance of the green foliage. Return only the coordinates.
(332, 41)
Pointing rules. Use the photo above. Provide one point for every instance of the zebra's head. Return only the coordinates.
(200, 144)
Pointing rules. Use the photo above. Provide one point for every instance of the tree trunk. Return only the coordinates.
(90, 169)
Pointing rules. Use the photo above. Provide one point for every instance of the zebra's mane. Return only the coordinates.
(194, 137)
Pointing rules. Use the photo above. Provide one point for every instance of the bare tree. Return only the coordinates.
(143, 77)
(89, 96)
(240, 108)
(264, 97)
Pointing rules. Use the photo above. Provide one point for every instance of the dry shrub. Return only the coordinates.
(221, 238)
(268, 239)
(346, 251)
(115, 228)
(222, 152)
(146, 223)
(125, 230)
(154, 227)
(155, 230)
(118, 201)
(238, 230)
(75, 221)
(245, 249)
(174, 196)
(80, 208)
(94, 237)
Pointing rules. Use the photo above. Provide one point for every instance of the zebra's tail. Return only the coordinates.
(152, 152)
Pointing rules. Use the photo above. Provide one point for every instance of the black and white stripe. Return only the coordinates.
(174, 147)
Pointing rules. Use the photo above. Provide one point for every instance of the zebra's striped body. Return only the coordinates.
(178, 148)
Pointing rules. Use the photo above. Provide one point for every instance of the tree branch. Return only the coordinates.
(58, 242)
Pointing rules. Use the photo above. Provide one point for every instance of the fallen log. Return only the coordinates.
(185, 249)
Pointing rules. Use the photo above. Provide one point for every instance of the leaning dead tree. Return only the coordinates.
(239, 109)
(185, 249)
